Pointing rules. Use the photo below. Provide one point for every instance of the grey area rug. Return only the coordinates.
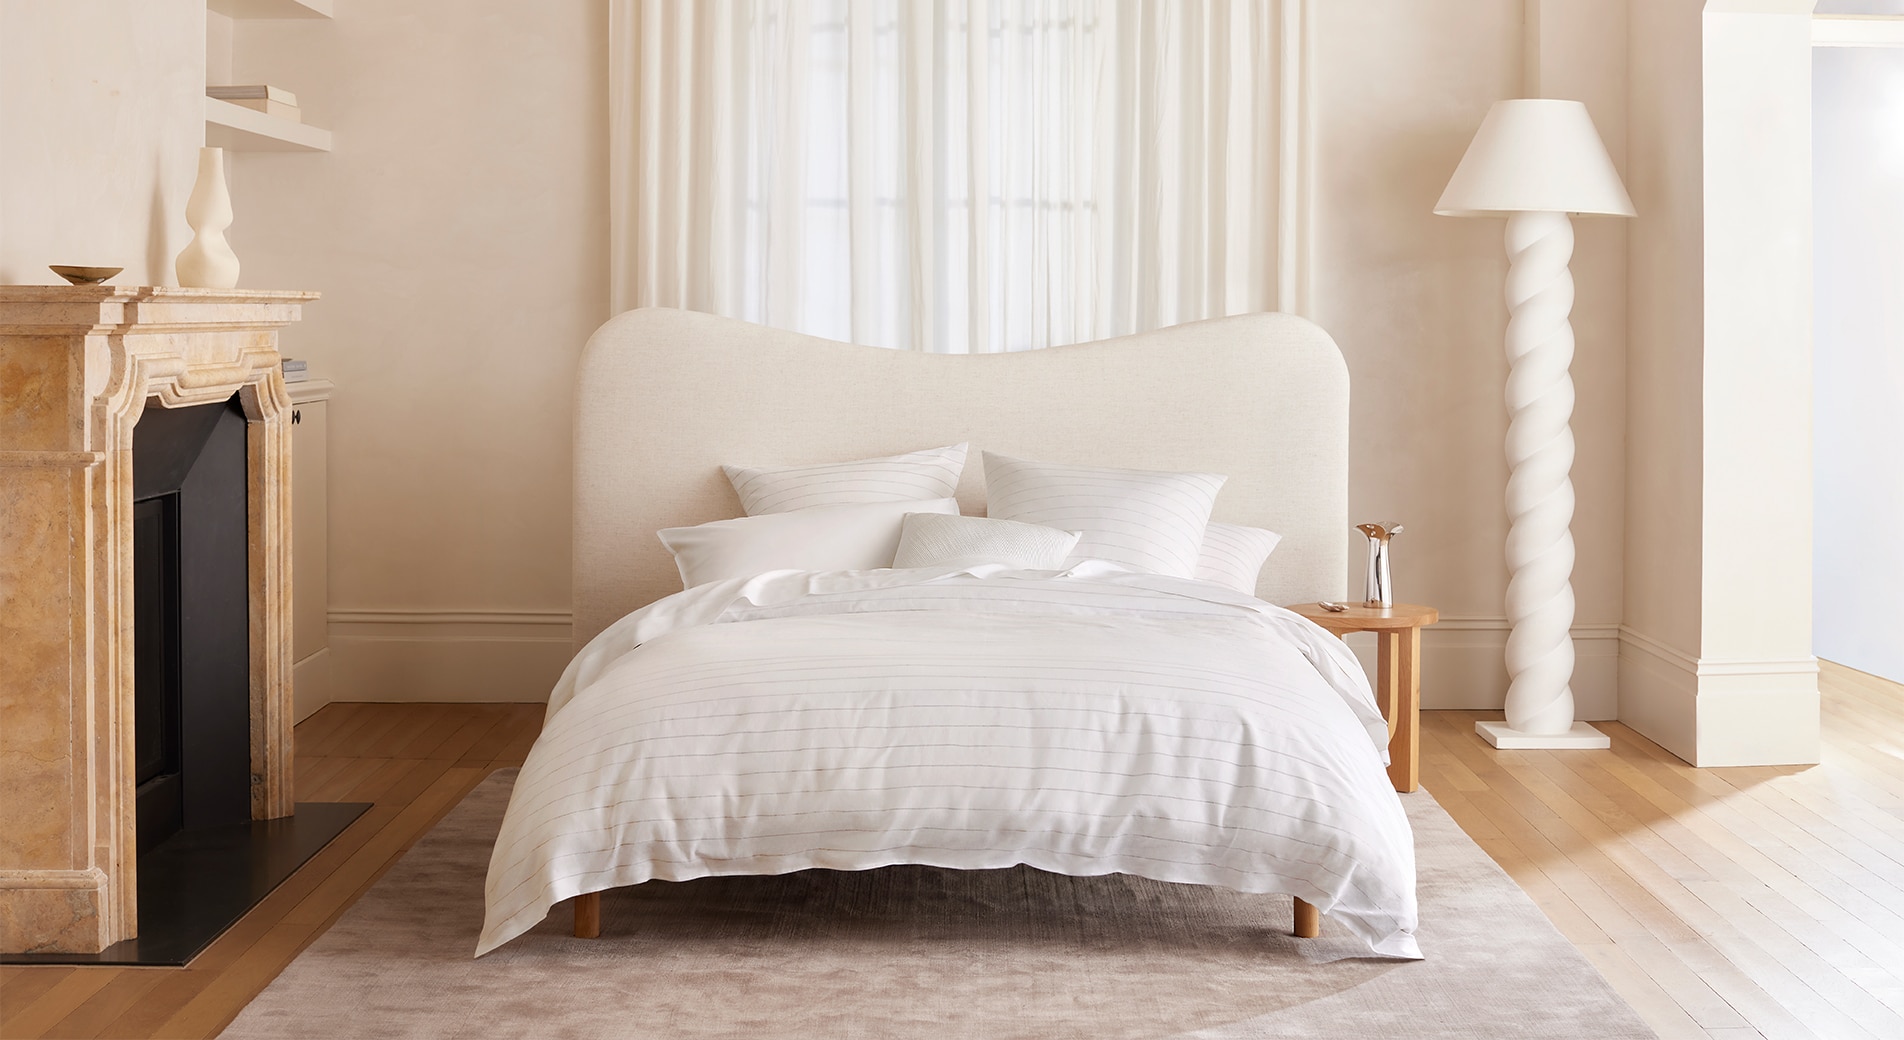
(925, 952)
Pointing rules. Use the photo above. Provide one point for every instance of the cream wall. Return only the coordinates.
(1665, 364)
(101, 118)
(457, 231)
(1416, 303)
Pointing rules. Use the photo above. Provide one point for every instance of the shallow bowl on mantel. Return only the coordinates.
(85, 275)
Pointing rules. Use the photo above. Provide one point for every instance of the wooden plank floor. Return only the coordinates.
(413, 762)
(1724, 903)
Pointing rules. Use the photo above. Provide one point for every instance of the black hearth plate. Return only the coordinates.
(198, 883)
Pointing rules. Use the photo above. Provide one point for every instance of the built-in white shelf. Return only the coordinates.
(244, 129)
(271, 8)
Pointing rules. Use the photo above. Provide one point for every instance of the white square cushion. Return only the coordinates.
(1233, 555)
(940, 540)
(825, 538)
(913, 477)
(1141, 519)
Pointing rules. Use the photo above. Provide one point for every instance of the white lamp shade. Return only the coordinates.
(1535, 155)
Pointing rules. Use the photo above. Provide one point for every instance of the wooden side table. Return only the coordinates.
(1397, 674)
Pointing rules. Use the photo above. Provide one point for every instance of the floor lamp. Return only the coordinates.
(1534, 162)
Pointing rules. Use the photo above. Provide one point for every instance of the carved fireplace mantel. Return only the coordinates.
(77, 366)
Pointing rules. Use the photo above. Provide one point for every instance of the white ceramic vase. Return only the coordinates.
(208, 262)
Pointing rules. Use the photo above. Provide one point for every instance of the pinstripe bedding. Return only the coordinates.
(1088, 722)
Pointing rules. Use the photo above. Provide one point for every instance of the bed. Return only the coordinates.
(1083, 722)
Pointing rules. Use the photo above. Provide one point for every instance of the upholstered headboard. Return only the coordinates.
(664, 397)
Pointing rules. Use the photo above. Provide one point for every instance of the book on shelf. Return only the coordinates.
(252, 92)
(294, 370)
(274, 109)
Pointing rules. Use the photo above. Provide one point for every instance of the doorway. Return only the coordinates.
(1858, 337)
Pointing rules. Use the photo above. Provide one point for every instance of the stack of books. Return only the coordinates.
(294, 370)
(272, 101)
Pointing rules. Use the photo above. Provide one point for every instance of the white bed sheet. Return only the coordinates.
(1085, 722)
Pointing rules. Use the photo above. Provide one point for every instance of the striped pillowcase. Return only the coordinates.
(1233, 555)
(912, 477)
(1147, 521)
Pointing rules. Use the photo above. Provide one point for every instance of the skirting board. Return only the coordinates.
(311, 684)
(476, 655)
(1710, 713)
(463, 655)
(1719, 713)
(1463, 666)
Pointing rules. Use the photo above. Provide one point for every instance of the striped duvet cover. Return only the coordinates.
(1087, 722)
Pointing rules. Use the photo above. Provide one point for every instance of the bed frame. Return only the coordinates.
(665, 397)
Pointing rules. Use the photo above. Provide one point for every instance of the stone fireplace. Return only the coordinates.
(79, 367)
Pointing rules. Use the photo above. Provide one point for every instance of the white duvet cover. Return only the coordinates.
(1088, 722)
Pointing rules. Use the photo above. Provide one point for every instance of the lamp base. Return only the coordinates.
(1581, 735)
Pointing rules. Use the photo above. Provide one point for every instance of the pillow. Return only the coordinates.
(940, 540)
(1233, 556)
(912, 477)
(824, 538)
(1144, 520)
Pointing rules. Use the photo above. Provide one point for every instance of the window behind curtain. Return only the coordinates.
(1121, 157)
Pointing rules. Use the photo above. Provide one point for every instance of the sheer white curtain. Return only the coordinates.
(945, 175)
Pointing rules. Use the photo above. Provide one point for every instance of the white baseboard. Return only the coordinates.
(1708, 712)
(1659, 693)
(1719, 713)
(311, 684)
(460, 655)
(480, 655)
(1463, 666)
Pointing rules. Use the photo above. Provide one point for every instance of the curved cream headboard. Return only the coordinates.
(664, 397)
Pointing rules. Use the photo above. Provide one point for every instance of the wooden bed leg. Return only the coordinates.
(588, 915)
(1308, 921)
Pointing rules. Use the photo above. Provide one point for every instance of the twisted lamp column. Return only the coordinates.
(1540, 448)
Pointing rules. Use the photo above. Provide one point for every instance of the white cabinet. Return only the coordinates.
(310, 546)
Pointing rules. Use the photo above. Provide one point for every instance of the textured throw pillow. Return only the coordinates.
(824, 538)
(1147, 521)
(942, 540)
(1233, 555)
(913, 477)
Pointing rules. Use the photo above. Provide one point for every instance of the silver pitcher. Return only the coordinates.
(1378, 589)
